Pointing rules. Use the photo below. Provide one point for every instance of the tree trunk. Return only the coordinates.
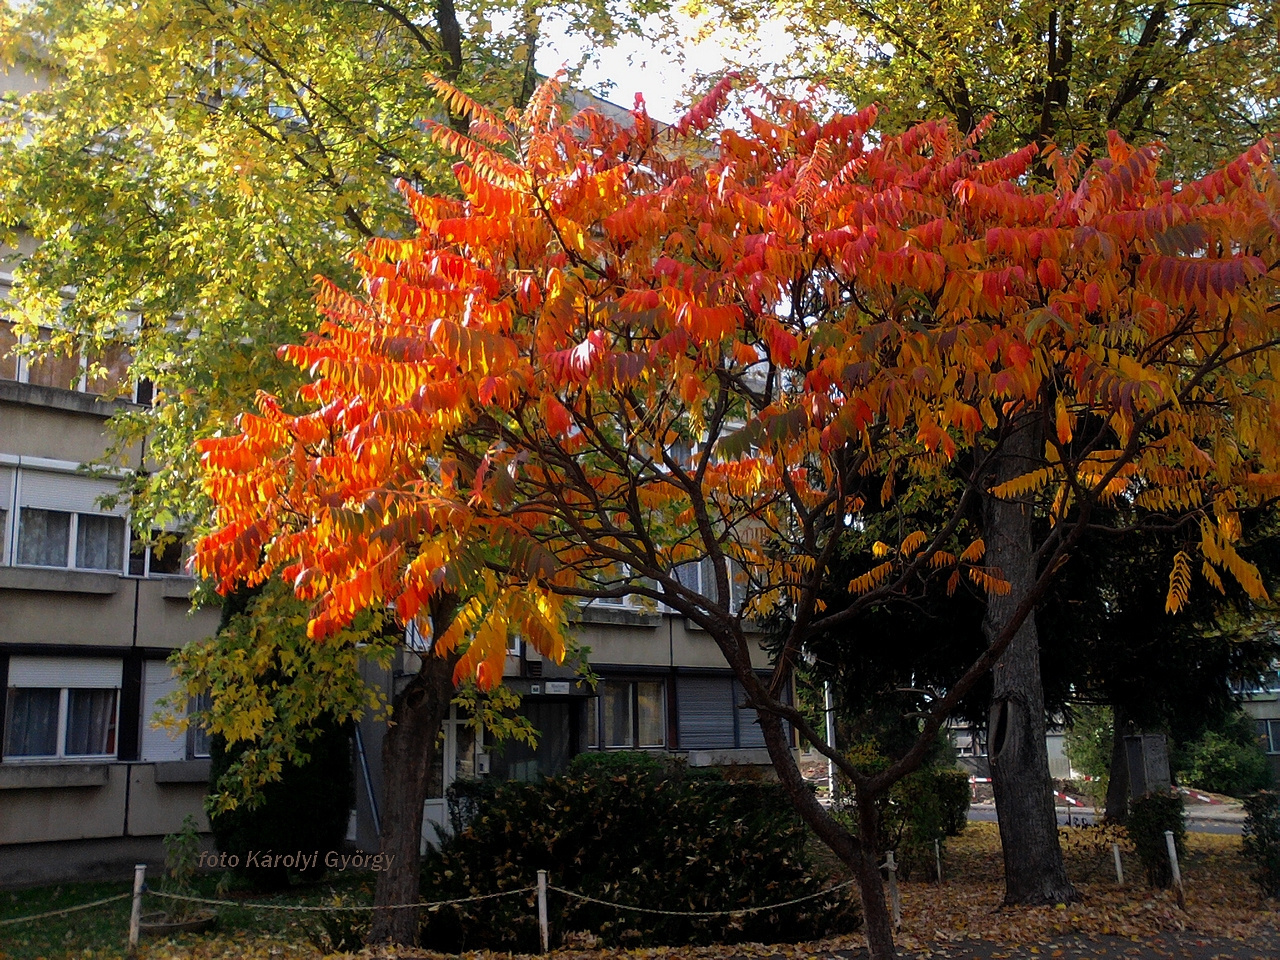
(1118, 780)
(1033, 867)
(860, 857)
(410, 744)
(876, 919)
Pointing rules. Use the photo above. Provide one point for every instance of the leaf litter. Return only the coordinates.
(940, 921)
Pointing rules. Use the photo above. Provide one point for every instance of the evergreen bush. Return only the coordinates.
(1261, 837)
(305, 811)
(621, 832)
(1149, 818)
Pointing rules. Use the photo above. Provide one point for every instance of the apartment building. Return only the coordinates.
(87, 619)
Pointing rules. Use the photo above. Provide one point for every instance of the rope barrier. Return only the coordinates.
(330, 908)
(701, 913)
(58, 913)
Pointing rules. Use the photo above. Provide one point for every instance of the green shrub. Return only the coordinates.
(612, 763)
(1149, 818)
(921, 808)
(681, 842)
(1225, 763)
(1262, 839)
(306, 810)
(954, 792)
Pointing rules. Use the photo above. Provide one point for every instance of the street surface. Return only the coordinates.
(1199, 819)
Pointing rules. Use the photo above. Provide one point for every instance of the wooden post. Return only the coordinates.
(135, 915)
(937, 857)
(542, 911)
(1115, 852)
(895, 898)
(1173, 866)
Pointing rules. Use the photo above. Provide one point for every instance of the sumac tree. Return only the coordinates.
(627, 349)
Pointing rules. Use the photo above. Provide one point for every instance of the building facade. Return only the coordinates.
(87, 620)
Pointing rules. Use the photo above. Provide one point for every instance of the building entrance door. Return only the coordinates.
(455, 759)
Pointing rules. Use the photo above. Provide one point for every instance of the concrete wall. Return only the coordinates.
(78, 819)
(45, 802)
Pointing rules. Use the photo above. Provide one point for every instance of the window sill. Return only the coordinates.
(619, 616)
(728, 756)
(36, 775)
(175, 588)
(183, 771)
(54, 580)
(73, 401)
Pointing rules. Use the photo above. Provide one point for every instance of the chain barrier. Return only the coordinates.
(58, 913)
(330, 908)
(700, 913)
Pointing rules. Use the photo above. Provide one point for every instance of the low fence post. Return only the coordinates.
(895, 898)
(1173, 866)
(1115, 852)
(937, 858)
(542, 911)
(135, 915)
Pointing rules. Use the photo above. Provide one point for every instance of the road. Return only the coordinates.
(1210, 823)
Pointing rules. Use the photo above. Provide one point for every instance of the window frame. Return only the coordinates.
(596, 729)
(73, 541)
(1269, 735)
(61, 753)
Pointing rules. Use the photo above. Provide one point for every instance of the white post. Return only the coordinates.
(135, 915)
(937, 858)
(1173, 866)
(1115, 852)
(829, 708)
(542, 910)
(895, 899)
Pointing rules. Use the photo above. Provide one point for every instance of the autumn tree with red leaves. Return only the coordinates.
(626, 349)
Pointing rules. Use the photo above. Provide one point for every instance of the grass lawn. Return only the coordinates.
(961, 913)
(103, 931)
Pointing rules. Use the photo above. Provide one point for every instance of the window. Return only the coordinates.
(99, 542)
(628, 713)
(1269, 735)
(160, 744)
(700, 577)
(104, 372)
(6, 501)
(197, 735)
(45, 536)
(711, 714)
(164, 555)
(59, 522)
(61, 708)
(8, 359)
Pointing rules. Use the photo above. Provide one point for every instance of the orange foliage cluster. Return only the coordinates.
(622, 349)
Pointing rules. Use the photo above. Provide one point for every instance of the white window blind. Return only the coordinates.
(74, 672)
(47, 490)
(158, 744)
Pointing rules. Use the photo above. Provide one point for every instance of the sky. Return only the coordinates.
(639, 65)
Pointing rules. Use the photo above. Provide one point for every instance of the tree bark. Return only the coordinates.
(876, 919)
(858, 853)
(407, 751)
(1118, 780)
(1019, 756)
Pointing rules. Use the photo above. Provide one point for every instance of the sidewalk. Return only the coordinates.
(1224, 813)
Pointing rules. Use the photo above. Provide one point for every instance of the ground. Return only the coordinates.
(961, 919)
